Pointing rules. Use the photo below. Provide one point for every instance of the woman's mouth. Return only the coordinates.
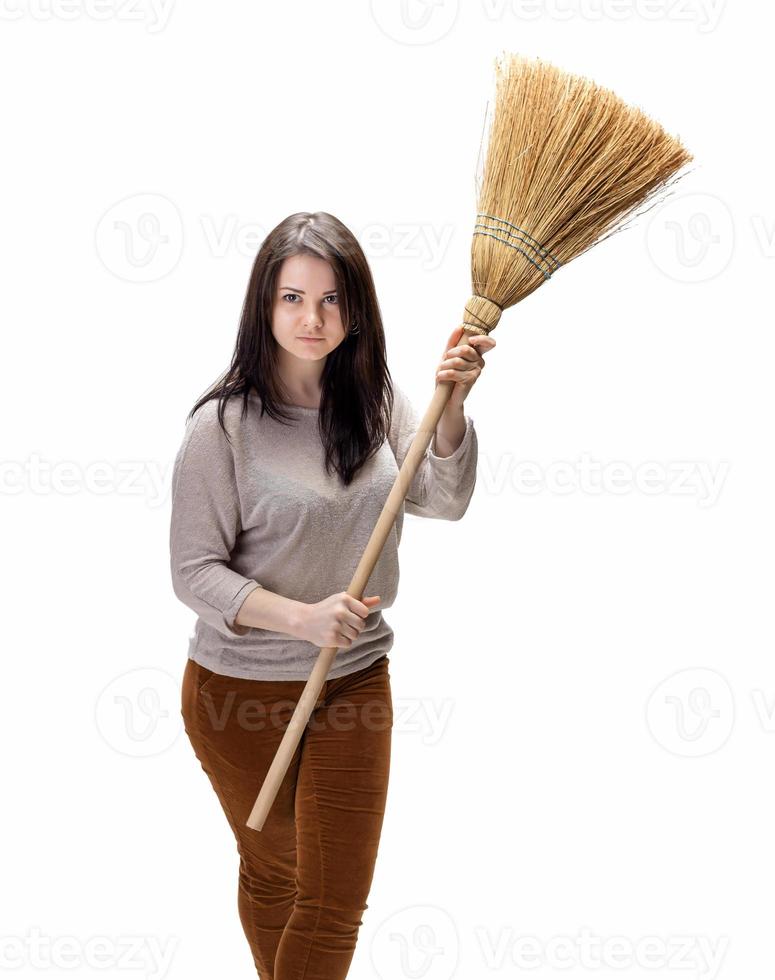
(311, 340)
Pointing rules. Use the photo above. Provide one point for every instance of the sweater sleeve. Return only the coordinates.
(204, 524)
(443, 486)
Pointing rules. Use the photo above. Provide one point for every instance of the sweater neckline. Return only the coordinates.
(299, 408)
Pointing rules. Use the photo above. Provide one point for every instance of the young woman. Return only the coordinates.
(284, 468)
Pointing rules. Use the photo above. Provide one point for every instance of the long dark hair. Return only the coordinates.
(356, 390)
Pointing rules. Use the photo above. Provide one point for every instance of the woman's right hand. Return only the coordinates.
(336, 620)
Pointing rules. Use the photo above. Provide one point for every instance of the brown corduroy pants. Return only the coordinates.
(304, 878)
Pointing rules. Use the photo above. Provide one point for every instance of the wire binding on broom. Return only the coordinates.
(534, 244)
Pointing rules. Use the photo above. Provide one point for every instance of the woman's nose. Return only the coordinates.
(312, 316)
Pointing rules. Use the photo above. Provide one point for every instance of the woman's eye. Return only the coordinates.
(333, 296)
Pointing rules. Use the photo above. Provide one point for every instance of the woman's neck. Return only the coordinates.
(302, 387)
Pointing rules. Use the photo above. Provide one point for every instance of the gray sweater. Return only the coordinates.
(263, 512)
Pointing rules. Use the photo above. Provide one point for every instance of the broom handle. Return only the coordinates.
(314, 685)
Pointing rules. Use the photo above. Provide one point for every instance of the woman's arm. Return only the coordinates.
(204, 525)
(267, 610)
(444, 482)
(449, 432)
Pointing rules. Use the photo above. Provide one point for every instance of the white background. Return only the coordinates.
(583, 671)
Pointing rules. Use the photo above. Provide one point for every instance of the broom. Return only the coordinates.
(567, 163)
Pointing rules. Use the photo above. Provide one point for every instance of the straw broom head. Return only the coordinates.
(567, 163)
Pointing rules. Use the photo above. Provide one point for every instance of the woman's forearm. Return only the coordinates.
(267, 610)
(449, 432)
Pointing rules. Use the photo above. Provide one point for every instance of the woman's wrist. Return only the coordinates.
(450, 430)
(297, 613)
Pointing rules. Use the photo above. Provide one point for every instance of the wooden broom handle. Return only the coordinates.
(317, 678)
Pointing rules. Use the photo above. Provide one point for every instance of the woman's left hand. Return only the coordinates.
(463, 365)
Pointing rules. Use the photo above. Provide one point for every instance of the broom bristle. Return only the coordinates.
(567, 163)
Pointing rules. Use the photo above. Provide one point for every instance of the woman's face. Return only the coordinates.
(306, 304)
